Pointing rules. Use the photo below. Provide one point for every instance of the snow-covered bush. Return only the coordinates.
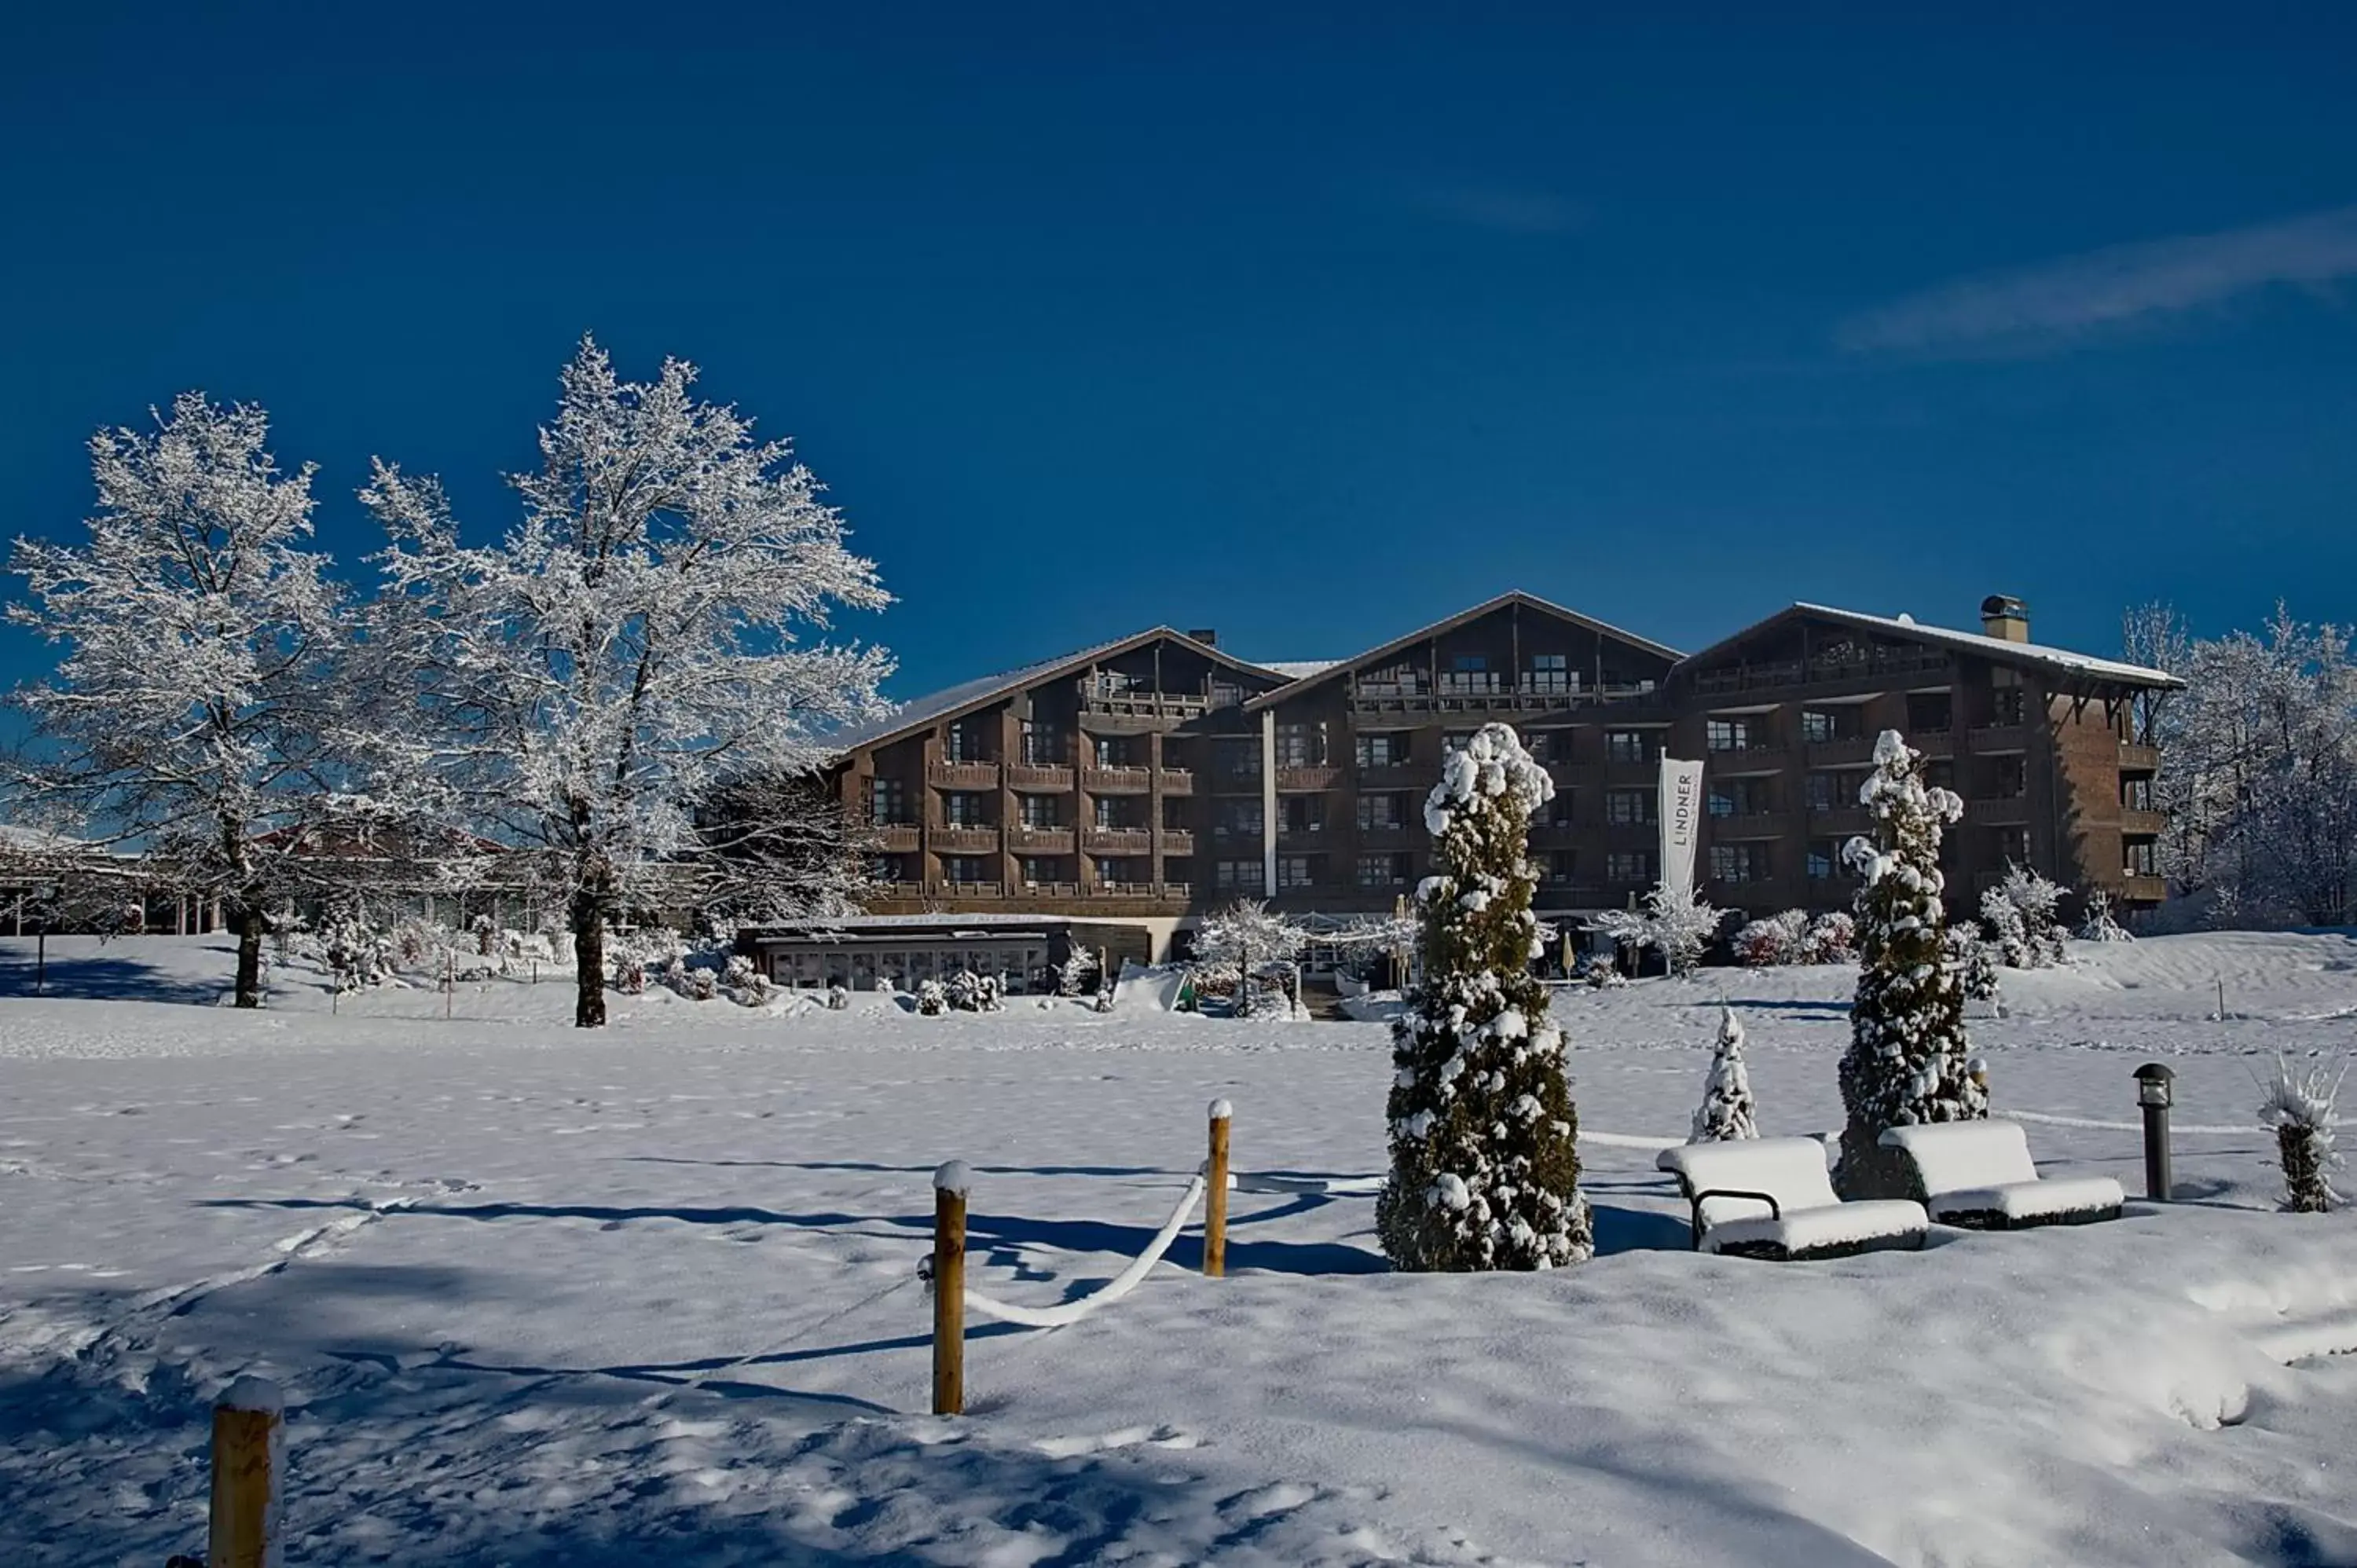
(1773, 941)
(1485, 1169)
(932, 998)
(1256, 942)
(970, 992)
(1972, 960)
(1907, 1058)
(744, 983)
(2020, 912)
(1832, 937)
(695, 982)
(1600, 972)
(353, 949)
(1726, 1110)
(2298, 1109)
(629, 975)
(1675, 921)
(2099, 926)
(839, 999)
(1079, 974)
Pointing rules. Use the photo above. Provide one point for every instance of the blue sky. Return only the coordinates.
(1309, 324)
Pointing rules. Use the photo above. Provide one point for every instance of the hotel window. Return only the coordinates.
(887, 867)
(2009, 700)
(1297, 871)
(968, 741)
(1469, 673)
(1930, 712)
(1557, 812)
(1397, 681)
(1039, 868)
(888, 802)
(1628, 865)
(1239, 875)
(2013, 845)
(1548, 675)
(1824, 859)
(1301, 745)
(1455, 740)
(965, 808)
(2136, 794)
(1238, 758)
(1120, 871)
(1117, 751)
(1302, 813)
(1727, 734)
(1624, 808)
(1940, 773)
(1174, 813)
(1039, 811)
(1239, 818)
(2143, 858)
(2008, 777)
(1821, 791)
(1043, 745)
(1382, 814)
(1383, 748)
(1632, 746)
(1120, 811)
(1383, 870)
(1819, 725)
(964, 868)
(1737, 798)
(1738, 861)
(1561, 865)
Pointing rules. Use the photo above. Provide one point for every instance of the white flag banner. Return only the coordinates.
(1681, 820)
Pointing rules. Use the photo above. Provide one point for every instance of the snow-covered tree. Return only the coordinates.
(630, 645)
(1972, 961)
(2298, 1109)
(2098, 926)
(2021, 912)
(195, 711)
(1907, 1061)
(1727, 1110)
(1675, 921)
(1249, 936)
(1485, 1168)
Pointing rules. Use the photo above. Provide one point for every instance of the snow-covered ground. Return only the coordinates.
(541, 1297)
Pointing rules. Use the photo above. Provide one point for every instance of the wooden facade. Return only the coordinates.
(1158, 778)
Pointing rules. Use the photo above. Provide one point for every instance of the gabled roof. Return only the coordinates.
(2027, 655)
(951, 702)
(1514, 597)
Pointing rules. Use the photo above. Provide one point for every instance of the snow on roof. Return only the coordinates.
(1298, 669)
(850, 923)
(949, 699)
(1979, 643)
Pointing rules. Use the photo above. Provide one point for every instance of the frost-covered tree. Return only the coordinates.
(2298, 1109)
(2099, 926)
(1727, 1110)
(2021, 912)
(634, 641)
(195, 712)
(1248, 936)
(1485, 1169)
(1676, 921)
(1907, 1061)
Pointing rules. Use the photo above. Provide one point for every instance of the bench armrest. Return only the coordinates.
(1775, 1210)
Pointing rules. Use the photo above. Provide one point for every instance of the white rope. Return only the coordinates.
(1113, 1289)
(1315, 1187)
(2175, 1127)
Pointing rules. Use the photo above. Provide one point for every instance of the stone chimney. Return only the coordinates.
(1205, 635)
(2005, 619)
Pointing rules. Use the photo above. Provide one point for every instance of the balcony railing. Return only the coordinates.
(1119, 699)
(2006, 812)
(955, 839)
(1846, 751)
(1178, 782)
(1121, 779)
(1319, 775)
(1840, 822)
(1749, 825)
(1876, 666)
(1045, 777)
(963, 774)
(1117, 841)
(2140, 823)
(897, 838)
(1178, 841)
(1050, 889)
(1999, 739)
(2142, 889)
(2137, 758)
(973, 889)
(1040, 841)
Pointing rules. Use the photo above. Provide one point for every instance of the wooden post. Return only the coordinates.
(1215, 1193)
(449, 979)
(249, 1428)
(949, 1184)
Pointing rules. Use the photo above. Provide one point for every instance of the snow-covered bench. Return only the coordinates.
(1771, 1198)
(1979, 1174)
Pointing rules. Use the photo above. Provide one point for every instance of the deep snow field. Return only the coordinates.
(541, 1297)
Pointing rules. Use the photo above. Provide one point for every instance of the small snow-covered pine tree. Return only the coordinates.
(1726, 1110)
(1907, 1061)
(2299, 1110)
(1485, 1171)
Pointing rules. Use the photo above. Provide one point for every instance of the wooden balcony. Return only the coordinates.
(1934, 743)
(1117, 841)
(882, 890)
(2010, 812)
(972, 889)
(1117, 781)
(1112, 700)
(1394, 776)
(1749, 825)
(2138, 823)
(1841, 822)
(964, 840)
(897, 838)
(2141, 889)
(1041, 777)
(2136, 758)
(1999, 739)
(961, 775)
(1178, 782)
(1322, 777)
(1878, 667)
(1850, 751)
(1040, 841)
(1305, 840)
(1050, 889)
(1178, 841)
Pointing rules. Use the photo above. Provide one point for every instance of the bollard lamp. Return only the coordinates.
(2152, 1085)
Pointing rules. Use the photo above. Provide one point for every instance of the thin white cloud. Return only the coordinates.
(1506, 208)
(2053, 303)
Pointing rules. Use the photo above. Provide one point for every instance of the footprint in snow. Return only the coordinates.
(1127, 1437)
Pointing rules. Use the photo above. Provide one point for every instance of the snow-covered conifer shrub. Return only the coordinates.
(2298, 1109)
(932, 998)
(2099, 926)
(1726, 1110)
(1485, 1169)
(1079, 974)
(1599, 972)
(1907, 1059)
(1973, 960)
(1773, 941)
(970, 992)
(2021, 914)
(1832, 937)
